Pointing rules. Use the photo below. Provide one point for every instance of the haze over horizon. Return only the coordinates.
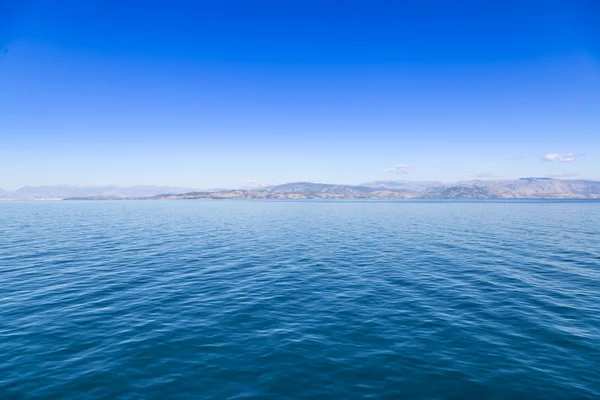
(239, 93)
(262, 186)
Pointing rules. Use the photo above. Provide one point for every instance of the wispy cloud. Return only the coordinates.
(258, 183)
(563, 175)
(568, 157)
(399, 169)
(254, 183)
(488, 175)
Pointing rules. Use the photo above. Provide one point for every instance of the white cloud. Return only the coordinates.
(568, 157)
(399, 169)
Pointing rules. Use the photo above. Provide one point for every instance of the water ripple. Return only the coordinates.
(234, 299)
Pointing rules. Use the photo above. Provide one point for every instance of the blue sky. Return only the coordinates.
(215, 93)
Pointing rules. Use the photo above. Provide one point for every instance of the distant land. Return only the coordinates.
(60, 192)
(524, 188)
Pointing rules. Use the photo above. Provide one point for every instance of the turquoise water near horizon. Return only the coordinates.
(300, 299)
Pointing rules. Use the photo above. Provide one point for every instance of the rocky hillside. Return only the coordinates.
(525, 188)
(416, 186)
(299, 190)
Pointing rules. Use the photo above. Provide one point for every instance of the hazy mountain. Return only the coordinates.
(524, 188)
(58, 192)
(300, 190)
(309, 187)
(339, 192)
(404, 185)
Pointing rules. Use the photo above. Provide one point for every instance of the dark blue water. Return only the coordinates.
(299, 300)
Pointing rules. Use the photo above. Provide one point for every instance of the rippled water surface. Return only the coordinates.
(299, 300)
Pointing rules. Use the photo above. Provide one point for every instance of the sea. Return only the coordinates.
(300, 299)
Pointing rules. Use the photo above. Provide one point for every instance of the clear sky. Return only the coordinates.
(214, 93)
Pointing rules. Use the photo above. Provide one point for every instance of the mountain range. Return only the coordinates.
(59, 192)
(404, 185)
(524, 188)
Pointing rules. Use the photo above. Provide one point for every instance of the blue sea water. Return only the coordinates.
(300, 300)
